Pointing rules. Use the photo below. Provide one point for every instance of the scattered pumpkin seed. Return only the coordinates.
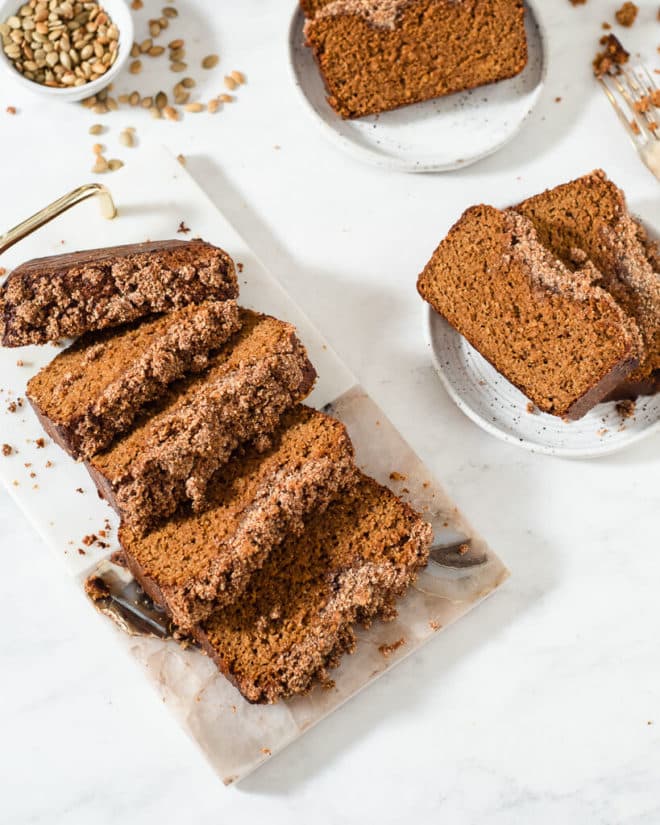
(178, 66)
(175, 44)
(96, 129)
(170, 11)
(146, 45)
(135, 67)
(194, 107)
(226, 98)
(188, 83)
(239, 77)
(126, 138)
(115, 164)
(210, 61)
(213, 105)
(170, 113)
(161, 100)
(181, 159)
(156, 51)
(230, 83)
(100, 165)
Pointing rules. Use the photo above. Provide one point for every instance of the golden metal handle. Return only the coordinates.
(89, 190)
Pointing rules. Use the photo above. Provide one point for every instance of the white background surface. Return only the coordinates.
(535, 708)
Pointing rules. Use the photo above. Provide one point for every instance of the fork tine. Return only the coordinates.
(624, 89)
(634, 93)
(635, 136)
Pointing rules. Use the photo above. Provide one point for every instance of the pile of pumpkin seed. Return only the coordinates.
(60, 43)
(161, 103)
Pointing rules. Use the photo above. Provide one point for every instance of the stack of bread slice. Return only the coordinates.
(242, 511)
(561, 293)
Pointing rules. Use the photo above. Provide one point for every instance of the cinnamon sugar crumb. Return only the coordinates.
(7, 449)
(434, 625)
(183, 229)
(41, 443)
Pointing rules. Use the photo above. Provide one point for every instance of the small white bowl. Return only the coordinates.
(120, 16)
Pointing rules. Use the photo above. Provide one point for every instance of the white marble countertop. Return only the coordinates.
(543, 705)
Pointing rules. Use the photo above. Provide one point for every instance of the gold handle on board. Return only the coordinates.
(82, 193)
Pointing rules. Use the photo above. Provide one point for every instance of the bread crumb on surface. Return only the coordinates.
(531, 408)
(96, 588)
(627, 14)
(183, 229)
(387, 650)
(612, 56)
(395, 476)
(625, 408)
(7, 449)
(41, 443)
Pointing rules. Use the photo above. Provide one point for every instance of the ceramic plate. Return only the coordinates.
(437, 135)
(501, 409)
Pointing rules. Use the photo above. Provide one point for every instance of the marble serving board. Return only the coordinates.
(60, 500)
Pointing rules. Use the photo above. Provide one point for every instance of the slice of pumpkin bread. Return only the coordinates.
(296, 619)
(198, 562)
(588, 220)
(558, 336)
(376, 55)
(96, 388)
(174, 448)
(65, 295)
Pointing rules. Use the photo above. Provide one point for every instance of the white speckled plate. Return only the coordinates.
(434, 136)
(498, 407)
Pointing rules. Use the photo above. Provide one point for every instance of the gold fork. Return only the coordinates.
(635, 97)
